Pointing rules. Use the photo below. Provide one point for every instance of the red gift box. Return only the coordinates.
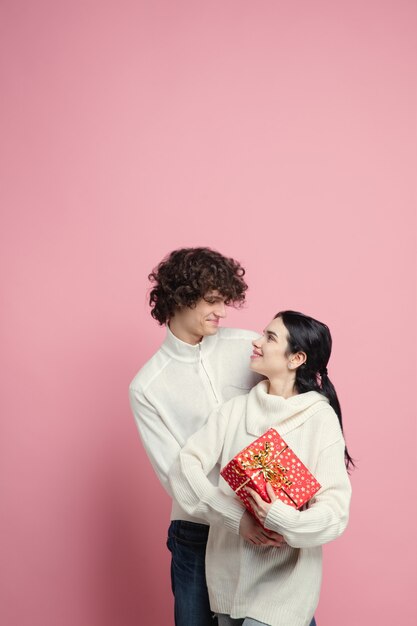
(269, 459)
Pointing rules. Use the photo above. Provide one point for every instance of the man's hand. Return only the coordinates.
(251, 531)
(259, 505)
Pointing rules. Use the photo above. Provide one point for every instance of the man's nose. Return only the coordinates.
(220, 310)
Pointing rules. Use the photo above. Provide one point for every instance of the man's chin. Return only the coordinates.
(211, 329)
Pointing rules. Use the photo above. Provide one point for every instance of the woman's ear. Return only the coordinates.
(297, 359)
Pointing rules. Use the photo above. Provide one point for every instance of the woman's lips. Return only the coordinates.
(255, 355)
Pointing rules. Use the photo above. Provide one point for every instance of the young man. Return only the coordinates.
(198, 366)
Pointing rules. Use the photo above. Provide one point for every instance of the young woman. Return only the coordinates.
(250, 583)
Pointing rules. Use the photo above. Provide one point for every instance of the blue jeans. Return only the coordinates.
(226, 620)
(187, 543)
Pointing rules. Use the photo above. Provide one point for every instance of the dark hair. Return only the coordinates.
(308, 335)
(188, 274)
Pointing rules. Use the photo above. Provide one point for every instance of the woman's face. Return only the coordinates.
(269, 351)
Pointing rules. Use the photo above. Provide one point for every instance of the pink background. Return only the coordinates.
(279, 133)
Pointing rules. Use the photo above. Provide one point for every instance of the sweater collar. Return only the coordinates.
(182, 351)
(266, 411)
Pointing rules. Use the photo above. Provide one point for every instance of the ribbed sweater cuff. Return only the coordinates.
(279, 516)
(232, 514)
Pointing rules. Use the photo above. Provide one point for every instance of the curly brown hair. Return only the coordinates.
(186, 275)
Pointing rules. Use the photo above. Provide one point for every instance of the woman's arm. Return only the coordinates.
(188, 476)
(328, 513)
(199, 497)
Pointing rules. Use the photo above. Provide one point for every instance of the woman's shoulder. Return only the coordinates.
(327, 422)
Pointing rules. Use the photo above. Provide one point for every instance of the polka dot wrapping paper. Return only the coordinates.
(270, 459)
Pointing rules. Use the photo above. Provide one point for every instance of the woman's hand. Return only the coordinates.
(251, 531)
(260, 507)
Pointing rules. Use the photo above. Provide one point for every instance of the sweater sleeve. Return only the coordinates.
(327, 516)
(161, 446)
(189, 482)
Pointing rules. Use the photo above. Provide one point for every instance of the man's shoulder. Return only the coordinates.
(231, 334)
(150, 370)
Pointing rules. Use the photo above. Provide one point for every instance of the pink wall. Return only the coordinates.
(279, 133)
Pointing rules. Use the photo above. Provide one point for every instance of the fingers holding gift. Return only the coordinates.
(271, 493)
(274, 539)
(260, 507)
(252, 532)
(263, 537)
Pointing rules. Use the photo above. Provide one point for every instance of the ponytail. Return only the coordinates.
(328, 390)
(308, 335)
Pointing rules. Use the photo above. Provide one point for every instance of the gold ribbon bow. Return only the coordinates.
(271, 469)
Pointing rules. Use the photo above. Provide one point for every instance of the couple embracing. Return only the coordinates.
(206, 394)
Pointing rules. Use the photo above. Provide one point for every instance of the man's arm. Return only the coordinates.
(161, 446)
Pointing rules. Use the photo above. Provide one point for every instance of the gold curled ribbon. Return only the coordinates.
(272, 471)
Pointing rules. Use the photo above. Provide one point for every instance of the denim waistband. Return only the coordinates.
(188, 531)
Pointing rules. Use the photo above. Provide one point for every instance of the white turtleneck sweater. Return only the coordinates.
(278, 586)
(175, 391)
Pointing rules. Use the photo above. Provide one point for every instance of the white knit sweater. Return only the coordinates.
(175, 391)
(278, 586)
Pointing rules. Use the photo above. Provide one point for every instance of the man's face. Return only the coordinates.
(191, 324)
